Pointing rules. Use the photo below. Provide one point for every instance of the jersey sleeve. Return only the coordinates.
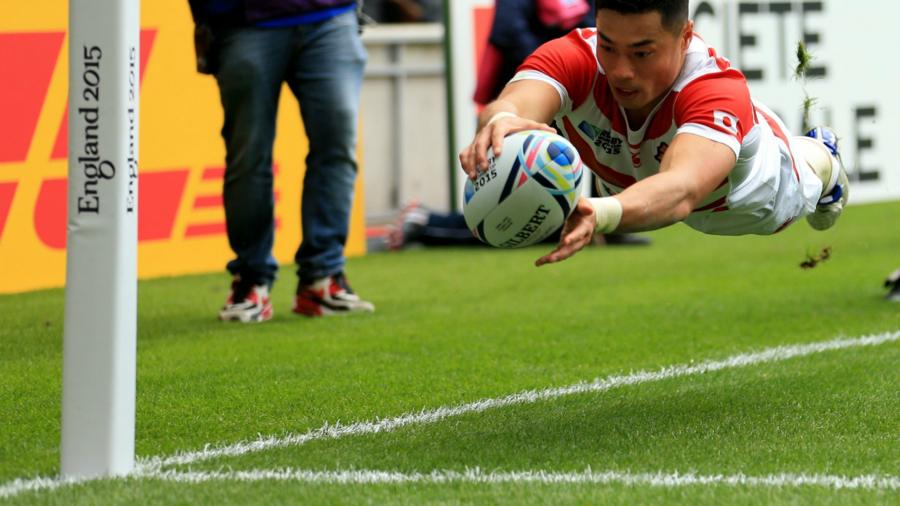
(567, 63)
(717, 107)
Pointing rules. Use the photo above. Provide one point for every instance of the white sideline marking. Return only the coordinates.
(370, 477)
(153, 466)
(337, 430)
(20, 486)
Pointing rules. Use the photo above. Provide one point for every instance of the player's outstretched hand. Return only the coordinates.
(576, 234)
(474, 157)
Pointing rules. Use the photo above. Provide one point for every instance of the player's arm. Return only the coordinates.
(523, 105)
(691, 169)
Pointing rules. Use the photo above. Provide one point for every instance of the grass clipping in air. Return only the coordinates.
(804, 58)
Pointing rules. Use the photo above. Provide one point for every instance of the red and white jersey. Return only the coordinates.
(709, 98)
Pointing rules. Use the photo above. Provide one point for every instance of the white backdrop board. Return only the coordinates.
(853, 85)
(465, 39)
(854, 88)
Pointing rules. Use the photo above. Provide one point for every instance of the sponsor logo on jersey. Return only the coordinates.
(603, 139)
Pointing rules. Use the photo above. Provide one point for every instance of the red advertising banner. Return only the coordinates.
(181, 223)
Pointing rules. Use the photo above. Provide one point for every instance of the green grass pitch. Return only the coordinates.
(455, 326)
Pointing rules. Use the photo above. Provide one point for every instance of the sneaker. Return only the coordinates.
(247, 303)
(892, 283)
(408, 226)
(329, 296)
(835, 185)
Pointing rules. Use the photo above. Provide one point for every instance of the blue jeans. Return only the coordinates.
(323, 65)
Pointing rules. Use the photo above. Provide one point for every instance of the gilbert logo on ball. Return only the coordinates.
(527, 192)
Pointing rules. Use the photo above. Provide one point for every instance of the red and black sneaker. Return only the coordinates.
(327, 296)
(247, 303)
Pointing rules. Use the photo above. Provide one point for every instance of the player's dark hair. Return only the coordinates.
(674, 13)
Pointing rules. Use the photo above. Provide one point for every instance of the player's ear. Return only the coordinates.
(687, 33)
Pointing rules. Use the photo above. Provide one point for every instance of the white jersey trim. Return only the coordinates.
(711, 134)
(534, 75)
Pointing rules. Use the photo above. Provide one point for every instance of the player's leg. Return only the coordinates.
(819, 150)
(326, 77)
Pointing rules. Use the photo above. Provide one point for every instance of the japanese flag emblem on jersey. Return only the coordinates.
(725, 121)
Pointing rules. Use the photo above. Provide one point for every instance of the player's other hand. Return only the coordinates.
(474, 157)
(576, 234)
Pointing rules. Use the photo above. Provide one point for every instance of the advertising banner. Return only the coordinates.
(849, 81)
(181, 221)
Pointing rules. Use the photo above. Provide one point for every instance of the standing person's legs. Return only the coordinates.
(326, 76)
(252, 65)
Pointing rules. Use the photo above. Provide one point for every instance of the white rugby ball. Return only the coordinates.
(527, 192)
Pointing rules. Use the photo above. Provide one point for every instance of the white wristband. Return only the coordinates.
(607, 214)
(500, 115)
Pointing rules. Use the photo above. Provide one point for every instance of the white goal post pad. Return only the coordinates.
(99, 341)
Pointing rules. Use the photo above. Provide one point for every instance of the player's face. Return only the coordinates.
(641, 57)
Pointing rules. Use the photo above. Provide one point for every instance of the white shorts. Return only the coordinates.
(779, 188)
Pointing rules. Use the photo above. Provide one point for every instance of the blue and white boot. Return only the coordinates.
(822, 156)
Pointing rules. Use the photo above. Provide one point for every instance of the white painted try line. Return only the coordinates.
(477, 476)
(153, 466)
(588, 476)
(337, 430)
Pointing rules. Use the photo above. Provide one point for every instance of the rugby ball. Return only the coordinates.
(526, 193)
